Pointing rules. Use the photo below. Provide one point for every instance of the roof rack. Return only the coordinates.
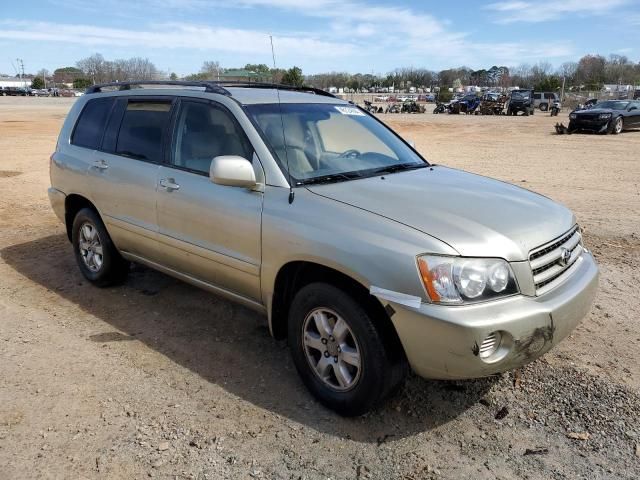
(278, 86)
(209, 86)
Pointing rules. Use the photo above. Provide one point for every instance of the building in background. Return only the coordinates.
(15, 82)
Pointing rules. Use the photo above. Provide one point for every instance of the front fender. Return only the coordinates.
(368, 248)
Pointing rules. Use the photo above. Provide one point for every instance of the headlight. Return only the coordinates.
(456, 280)
(573, 116)
(604, 116)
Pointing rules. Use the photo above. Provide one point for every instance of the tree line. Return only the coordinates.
(591, 72)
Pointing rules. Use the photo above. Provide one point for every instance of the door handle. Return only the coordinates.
(169, 184)
(100, 165)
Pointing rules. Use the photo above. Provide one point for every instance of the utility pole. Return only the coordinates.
(20, 68)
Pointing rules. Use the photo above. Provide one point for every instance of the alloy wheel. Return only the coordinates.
(618, 125)
(90, 247)
(331, 349)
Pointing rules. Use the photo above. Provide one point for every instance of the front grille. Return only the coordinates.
(550, 264)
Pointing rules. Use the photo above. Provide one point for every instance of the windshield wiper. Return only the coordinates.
(330, 178)
(399, 167)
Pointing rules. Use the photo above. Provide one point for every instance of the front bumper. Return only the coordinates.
(442, 341)
(596, 126)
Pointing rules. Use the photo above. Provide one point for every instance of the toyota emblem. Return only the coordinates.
(565, 256)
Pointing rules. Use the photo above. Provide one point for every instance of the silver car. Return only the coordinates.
(304, 207)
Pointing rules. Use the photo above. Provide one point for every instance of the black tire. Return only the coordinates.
(615, 130)
(533, 111)
(113, 269)
(383, 365)
(544, 107)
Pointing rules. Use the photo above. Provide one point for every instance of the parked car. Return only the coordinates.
(367, 258)
(15, 92)
(521, 101)
(40, 92)
(544, 100)
(609, 116)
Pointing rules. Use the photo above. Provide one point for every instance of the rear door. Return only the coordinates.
(210, 232)
(125, 172)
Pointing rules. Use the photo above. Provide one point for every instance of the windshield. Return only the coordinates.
(332, 142)
(612, 104)
(521, 95)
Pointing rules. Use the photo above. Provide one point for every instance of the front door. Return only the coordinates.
(210, 232)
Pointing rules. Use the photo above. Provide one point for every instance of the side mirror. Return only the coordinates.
(233, 171)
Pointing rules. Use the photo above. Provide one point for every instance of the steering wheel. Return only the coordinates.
(350, 154)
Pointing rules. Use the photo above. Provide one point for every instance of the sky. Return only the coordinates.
(364, 36)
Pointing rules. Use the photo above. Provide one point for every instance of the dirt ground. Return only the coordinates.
(158, 379)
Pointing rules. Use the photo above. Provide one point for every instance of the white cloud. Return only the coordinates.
(340, 34)
(171, 36)
(536, 12)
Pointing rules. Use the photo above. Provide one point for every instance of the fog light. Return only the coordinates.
(490, 345)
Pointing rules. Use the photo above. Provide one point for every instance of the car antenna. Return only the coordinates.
(284, 138)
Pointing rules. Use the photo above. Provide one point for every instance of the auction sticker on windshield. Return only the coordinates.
(350, 111)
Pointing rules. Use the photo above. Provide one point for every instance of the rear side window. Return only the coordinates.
(90, 126)
(549, 96)
(142, 130)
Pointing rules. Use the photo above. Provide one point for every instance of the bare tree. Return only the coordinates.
(211, 70)
(94, 68)
(99, 70)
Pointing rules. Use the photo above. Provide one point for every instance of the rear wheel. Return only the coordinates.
(544, 107)
(339, 351)
(97, 257)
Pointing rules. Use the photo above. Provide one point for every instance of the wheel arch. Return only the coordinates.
(296, 274)
(73, 203)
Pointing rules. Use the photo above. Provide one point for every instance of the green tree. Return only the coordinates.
(80, 83)
(173, 76)
(37, 83)
(444, 95)
(293, 76)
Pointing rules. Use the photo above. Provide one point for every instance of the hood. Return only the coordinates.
(475, 215)
(596, 111)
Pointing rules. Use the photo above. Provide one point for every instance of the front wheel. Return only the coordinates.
(618, 126)
(97, 257)
(340, 352)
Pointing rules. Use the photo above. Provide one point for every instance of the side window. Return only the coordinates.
(536, 96)
(91, 123)
(549, 96)
(204, 131)
(142, 129)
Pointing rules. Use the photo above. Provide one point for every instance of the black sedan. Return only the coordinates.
(609, 116)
